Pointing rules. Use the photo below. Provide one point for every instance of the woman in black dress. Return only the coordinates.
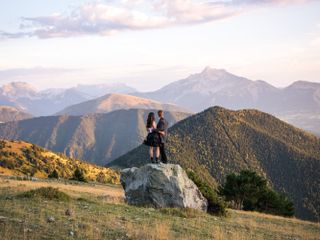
(153, 138)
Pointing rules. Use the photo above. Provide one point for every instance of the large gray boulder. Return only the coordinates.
(161, 185)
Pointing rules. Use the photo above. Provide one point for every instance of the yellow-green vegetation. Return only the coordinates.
(218, 142)
(26, 159)
(94, 214)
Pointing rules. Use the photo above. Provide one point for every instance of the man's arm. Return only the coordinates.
(162, 132)
(161, 127)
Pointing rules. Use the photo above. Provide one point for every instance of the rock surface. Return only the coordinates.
(161, 185)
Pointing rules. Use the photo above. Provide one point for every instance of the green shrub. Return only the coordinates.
(244, 189)
(2, 144)
(49, 193)
(8, 163)
(78, 175)
(102, 178)
(216, 205)
(54, 174)
(275, 203)
(250, 192)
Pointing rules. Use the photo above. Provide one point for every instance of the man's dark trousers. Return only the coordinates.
(163, 154)
(163, 126)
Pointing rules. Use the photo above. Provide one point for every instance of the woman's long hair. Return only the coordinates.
(151, 118)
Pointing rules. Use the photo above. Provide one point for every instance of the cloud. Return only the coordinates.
(101, 18)
(14, 74)
(43, 77)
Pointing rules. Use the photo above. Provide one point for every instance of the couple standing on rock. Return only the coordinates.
(157, 137)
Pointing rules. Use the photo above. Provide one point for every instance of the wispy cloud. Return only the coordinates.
(43, 76)
(101, 18)
(16, 74)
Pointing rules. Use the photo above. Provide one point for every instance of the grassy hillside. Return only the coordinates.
(98, 212)
(26, 159)
(217, 142)
(98, 138)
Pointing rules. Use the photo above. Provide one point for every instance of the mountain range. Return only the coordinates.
(116, 101)
(8, 114)
(47, 102)
(25, 159)
(298, 104)
(97, 138)
(217, 142)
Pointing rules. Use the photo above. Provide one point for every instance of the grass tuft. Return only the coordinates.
(181, 212)
(49, 193)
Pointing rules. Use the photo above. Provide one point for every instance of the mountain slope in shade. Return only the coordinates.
(26, 159)
(298, 103)
(217, 142)
(8, 114)
(98, 138)
(50, 101)
(112, 102)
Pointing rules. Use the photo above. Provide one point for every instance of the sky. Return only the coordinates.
(150, 43)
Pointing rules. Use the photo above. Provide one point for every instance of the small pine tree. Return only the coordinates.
(275, 203)
(54, 174)
(249, 191)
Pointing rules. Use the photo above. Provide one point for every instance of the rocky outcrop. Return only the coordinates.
(161, 185)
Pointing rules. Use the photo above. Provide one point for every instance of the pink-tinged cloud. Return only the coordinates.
(106, 19)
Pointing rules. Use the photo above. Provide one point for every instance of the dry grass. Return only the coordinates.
(221, 234)
(9, 172)
(280, 226)
(151, 231)
(73, 189)
(98, 212)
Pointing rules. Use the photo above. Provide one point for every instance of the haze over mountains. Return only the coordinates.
(47, 102)
(112, 102)
(97, 138)
(218, 142)
(8, 114)
(298, 103)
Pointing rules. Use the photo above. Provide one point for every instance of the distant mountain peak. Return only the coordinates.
(304, 84)
(18, 89)
(121, 97)
(19, 85)
(115, 101)
(210, 70)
